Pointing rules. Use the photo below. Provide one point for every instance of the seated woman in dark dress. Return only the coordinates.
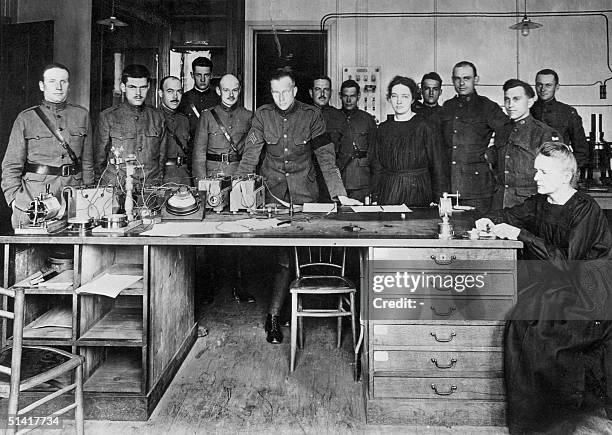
(408, 165)
(558, 343)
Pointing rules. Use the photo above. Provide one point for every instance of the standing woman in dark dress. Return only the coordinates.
(558, 343)
(409, 165)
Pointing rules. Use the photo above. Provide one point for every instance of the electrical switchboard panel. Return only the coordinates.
(372, 92)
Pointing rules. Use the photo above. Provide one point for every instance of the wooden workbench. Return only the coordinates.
(134, 344)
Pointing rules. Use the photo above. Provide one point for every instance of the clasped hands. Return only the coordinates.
(503, 231)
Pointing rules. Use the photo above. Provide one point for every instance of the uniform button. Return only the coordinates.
(454, 131)
(140, 149)
(285, 136)
(285, 119)
(475, 172)
(286, 150)
(229, 127)
(506, 172)
(63, 156)
(456, 117)
(286, 161)
(454, 163)
(61, 129)
(507, 157)
(287, 174)
(136, 118)
(505, 185)
(514, 129)
(455, 146)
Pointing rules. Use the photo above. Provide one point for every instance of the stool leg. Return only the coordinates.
(339, 319)
(78, 398)
(294, 328)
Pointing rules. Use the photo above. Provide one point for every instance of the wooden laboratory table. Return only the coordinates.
(135, 343)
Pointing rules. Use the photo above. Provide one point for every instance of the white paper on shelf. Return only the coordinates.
(402, 208)
(109, 285)
(58, 316)
(320, 207)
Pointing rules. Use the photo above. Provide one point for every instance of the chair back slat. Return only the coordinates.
(6, 370)
(319, 260)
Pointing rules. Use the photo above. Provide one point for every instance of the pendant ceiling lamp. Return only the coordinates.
(525, 25)
(112, 22)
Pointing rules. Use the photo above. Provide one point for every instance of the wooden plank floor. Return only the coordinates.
(233, 381)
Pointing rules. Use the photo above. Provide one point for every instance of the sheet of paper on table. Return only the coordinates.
(109, 285)
(381, 209)
(320, 207)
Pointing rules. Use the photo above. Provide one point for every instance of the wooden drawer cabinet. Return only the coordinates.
(441, 361)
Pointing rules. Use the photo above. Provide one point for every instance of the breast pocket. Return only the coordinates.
(76, 138)
(272, 144)
(122, 139)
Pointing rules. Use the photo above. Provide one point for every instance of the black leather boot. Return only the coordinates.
(273, 330)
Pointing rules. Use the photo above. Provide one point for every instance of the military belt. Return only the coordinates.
(179, 161)
(225, 158)
(63, 171)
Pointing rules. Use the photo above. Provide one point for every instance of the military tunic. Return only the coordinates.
(333, 120)
(426, 111)
(354, 140)
(517, 147)
(32, 142)
(468, 123)
(290, 137)
(210, 139)
(567, 122)
(201, 100)
(177, 125)
(132, 130)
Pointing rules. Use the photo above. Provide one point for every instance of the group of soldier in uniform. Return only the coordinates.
(305, 153)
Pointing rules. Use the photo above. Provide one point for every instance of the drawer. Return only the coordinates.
(441, 283)
(439, 388)
(443, 258)
(438, 363)
(438, 336)
(455, 308)
(437, 413)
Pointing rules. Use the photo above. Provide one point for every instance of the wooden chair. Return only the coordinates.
(320, 271)
(31, 366)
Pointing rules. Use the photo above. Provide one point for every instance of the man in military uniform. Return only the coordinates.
(132, 134)
(468, 123)
(431, 89)
(35, 156)
(559, 116)
(177, 125)
(202, 95)
(217, 149)
(213, 152)
(354, 140)
(291, 130)
(517, 146)
(320, 92)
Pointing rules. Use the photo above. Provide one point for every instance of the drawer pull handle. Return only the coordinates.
(443, 340)
(443, 260)
(447, 314)
(450, 365)
(452, 389)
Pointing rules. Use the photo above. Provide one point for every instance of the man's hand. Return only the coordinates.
(505, 231)
(345, 200)
(484, 224)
